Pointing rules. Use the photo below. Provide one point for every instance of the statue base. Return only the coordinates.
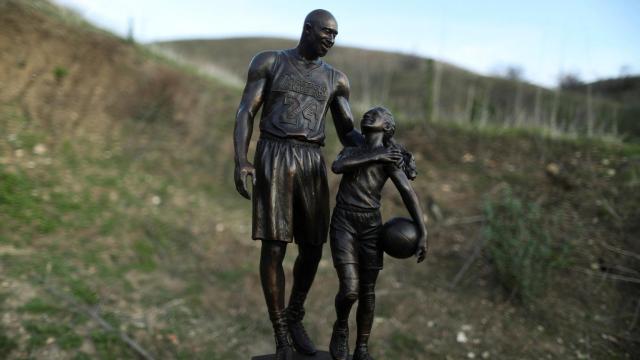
(320, 355)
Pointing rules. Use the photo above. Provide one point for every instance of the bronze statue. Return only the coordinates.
(356, 224)
(295, 88)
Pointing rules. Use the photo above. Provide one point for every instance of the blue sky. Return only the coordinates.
(593, 38)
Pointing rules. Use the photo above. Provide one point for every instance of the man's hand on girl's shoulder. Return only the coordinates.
(390, 155)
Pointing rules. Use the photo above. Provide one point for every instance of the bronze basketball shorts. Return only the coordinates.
(291, 194)
(355, 237)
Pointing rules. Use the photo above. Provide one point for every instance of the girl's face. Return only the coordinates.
(372, 121)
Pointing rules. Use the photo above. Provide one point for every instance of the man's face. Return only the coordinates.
(321, 35)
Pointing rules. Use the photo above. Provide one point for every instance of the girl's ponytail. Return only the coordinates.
(408, 163)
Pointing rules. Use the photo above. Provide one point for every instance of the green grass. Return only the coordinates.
(23, 203)
(7, 344)
(60, 72)
(83, 292)
(40, 306)
(109, 346)
(405, 345)
(81, 356)
(145, 253)
(233, 276)
(41, 332)
(16, 197)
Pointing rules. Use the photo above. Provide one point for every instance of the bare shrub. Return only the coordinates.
(155, 97)
(520, 247)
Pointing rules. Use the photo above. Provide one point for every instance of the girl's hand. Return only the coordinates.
(421, 251)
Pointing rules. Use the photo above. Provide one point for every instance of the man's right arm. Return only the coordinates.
(252, 99)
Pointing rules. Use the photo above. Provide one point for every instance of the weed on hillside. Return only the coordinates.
(520, 246)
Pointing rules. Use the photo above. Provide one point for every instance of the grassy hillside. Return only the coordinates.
(423, 88)
(118, 219)
(625, 89)
(626, 92)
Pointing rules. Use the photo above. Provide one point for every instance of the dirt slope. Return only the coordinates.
(71, 76)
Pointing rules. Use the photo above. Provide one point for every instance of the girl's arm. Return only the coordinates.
(349, 160)
(412, 203)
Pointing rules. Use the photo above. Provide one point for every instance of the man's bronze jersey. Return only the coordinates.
(298, 99)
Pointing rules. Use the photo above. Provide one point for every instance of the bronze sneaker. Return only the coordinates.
(362, 353)
(294, 315)
(339, 345)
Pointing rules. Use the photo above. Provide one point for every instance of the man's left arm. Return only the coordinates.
(341, 113)
(351, 158)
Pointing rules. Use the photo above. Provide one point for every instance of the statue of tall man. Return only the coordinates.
(291, 197)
